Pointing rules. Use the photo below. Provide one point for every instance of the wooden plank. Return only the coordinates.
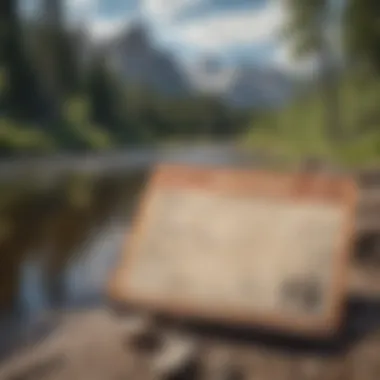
(364, 283)
(368, 211)
(241, 246)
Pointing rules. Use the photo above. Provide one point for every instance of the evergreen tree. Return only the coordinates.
(307, 27)
(104, 96)
(362, 33)
(57, 54)
(22, 96)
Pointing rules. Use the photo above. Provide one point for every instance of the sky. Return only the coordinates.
(232, 30)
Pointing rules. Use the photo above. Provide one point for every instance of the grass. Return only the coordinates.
(297, 131)
(76, 131)
(21, 139)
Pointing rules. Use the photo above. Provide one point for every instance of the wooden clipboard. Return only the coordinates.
(241, 247)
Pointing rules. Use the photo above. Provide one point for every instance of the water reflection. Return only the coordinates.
(57, 245)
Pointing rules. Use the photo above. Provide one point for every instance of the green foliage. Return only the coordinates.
(51, 100)
(17, 138)
(103, 94)
(305, 25)
(297, 131)
(309, 31)
(22, 97)
(76, 110)
(362, 31)
(81, 129)
(3, 81)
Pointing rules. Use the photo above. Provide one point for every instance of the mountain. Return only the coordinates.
(242, 86)
(259, 87)
(209, 75)
(138, 61)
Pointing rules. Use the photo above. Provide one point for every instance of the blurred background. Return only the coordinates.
(94, 92)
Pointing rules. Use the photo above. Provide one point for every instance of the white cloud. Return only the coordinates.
(101, 29)
(221, 31)
(165, 10)
(81, 9)
(81, 5)
(214, 33)
(256, 27)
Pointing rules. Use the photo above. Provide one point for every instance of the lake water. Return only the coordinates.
(59, 244)
(61, 233)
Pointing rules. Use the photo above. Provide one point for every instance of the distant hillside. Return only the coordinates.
(244, 86)
(298, 130)
(139, 61)
(259, 87)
